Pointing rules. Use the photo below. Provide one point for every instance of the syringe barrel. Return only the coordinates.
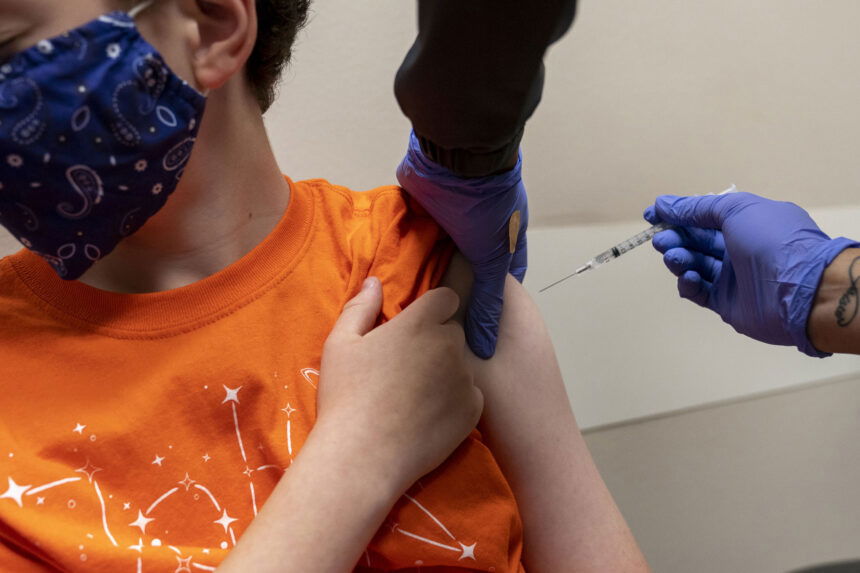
(642, 237)
(629, 244)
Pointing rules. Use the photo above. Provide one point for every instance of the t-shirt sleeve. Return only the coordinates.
(412, 253)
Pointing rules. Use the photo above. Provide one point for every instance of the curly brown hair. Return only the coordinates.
(279, 22)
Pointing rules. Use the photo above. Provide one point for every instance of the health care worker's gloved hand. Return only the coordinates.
(755, 262)
(487, 218)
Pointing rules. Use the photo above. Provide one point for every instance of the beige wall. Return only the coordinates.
(760, 486)
(641, 98)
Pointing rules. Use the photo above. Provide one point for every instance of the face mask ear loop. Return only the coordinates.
(140, 8)
(135, 11)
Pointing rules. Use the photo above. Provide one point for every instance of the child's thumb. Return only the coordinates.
(360, 313)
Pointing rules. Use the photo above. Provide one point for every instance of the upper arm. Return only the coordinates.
(571, 522)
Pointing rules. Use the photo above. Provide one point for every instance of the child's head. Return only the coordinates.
(99, 112)
(205, 42)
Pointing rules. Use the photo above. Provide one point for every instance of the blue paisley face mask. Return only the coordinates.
(95, 132)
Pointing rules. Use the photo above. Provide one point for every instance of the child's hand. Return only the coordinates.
(401, 395)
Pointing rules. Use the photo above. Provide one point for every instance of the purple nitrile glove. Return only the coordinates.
(478, 214)
(755, 262)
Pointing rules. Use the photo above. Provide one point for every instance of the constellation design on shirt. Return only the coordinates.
(308, 374)
(18, 492)
(311, 376)
(15, 492)
(466, 551)
(143, 520)
(233, 397)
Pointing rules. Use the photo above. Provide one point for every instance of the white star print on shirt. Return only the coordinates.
(225, 520)
(158, 459)
(468, 551)
(141, 522)
(14, 492)
(184, 564)
(232, 394)
(89, 470)
(187, 481)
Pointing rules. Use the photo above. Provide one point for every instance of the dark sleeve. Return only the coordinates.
(475, 75)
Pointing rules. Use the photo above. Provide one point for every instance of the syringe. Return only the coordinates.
(623, 247)
(615, 251)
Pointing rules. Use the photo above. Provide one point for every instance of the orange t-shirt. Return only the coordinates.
(143, 432)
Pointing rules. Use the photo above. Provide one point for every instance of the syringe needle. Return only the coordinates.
(578, 271)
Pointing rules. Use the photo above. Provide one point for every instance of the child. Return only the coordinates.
(151, 407)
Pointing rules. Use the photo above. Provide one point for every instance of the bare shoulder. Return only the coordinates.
(522, 328)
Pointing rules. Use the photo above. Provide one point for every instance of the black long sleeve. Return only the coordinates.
(475, 75)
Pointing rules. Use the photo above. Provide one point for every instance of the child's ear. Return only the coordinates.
(224, 37)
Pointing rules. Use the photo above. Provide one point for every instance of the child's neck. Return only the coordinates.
(230, 198)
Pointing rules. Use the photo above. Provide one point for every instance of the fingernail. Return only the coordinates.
(368, 284)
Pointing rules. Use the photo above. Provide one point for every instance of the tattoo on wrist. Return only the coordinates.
(846, 310)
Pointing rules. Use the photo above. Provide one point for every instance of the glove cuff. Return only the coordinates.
(806, 289)
(479, 188)
(473, 162)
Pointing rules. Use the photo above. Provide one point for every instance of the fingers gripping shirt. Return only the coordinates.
(144, 432)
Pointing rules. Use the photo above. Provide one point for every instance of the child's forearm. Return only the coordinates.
(321, 516)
